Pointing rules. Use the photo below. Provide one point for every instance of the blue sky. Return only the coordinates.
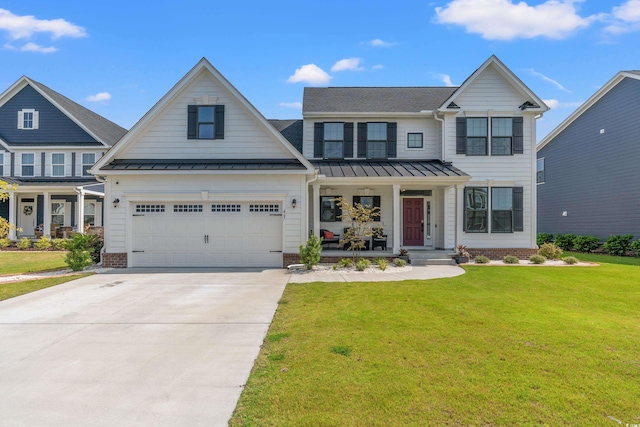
(119, 58)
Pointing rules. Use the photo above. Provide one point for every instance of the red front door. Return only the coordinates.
(412, 222)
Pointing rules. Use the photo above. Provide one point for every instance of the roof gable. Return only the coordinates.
(162, 133)
(604, 90)
(61, 121)
(494, 69)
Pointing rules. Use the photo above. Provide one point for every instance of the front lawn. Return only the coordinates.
(495, 346)
(14, 289)
(27, 262)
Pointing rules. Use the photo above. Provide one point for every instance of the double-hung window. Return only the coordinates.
(333, 141)
(329, 209)
(28, 119)
(88, 160)
(376, 140)
(540, 171)
(477, 136)
(205, 122)
(90, 213)
(501, 210)
(57, 213)
(475, 209)
(57, 164)
(371, 202)
(28, 164)
(501, 136)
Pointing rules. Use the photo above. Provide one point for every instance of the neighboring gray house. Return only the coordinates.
(589, 166)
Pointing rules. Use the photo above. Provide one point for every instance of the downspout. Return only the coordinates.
(435, 116)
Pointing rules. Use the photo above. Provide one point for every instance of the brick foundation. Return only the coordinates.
(114, 260)
(499, 253)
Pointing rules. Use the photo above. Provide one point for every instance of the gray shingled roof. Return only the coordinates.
(107, 131)
(634, 72)
(374, 99)
(291, 130)
(387, 168)
(205, 164)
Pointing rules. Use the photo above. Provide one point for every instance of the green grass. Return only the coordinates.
(14, 289)
(600, 258)
(495, 346)
(27, 262)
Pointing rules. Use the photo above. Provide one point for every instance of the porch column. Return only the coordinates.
(450, 215)
(12, 215)
(459, 213)
(46, 215)
(396, 218)
(80, 219)
(316, 209)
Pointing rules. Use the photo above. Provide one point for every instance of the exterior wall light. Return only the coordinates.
(294, 202)
(116, 202)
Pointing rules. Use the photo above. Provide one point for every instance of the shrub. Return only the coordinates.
(59, 244)
(310, 254)
(383, 263)
(24, 244)
(345, 262)
(362, 264)
(481, 259)
(586, 243)
(83, 250)
(634, 245)
(537, 259)
(618, 244)
(565, 241)
(399, 262)
(4, 242)
(570, 260)
(43, 243)
(335, 267)
(550, 251)
(543, 238)
(510, 259)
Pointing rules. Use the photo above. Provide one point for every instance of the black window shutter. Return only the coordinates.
(461, 135)
(518, 140)
(392, 141)
(356, 199)
(318, 137)
(219, 121)
(518, 209)
(337, 212)
(362, 140)
(348, 140)
(192, 122)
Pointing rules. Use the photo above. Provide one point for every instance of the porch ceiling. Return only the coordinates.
(387, 169)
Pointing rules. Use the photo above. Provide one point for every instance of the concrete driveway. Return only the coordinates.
(134, 347)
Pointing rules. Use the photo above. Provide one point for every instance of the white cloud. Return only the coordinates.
(504, 20)
(549, 80)
(352, 64)
(296, 105)
(380, 43)
(23, 27)
(101, 96)
(551, 103)
(554, 103)
(32, 47)
(446, 79)
(310, 73)
(377, 67)
(626, 18)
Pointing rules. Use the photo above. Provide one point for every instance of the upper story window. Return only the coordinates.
(28, 164)
(28, 119)
(477, 137)
(506, 136)
(540, 171)
(57, 164)
(376, 140)
(205, 122)
(414, 140)
(501, 134)
(88, 160)
(333, 141)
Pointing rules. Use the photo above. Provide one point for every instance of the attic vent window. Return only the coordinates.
(453, 105)
(28, 119)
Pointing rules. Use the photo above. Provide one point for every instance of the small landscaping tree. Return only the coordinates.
(82, 250)
(5, 226)
(359, 217)
(310, 253)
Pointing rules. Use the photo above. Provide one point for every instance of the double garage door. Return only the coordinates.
(244, 234)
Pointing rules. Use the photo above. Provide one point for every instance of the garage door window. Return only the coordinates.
(149, 208)
(187, 208)
(264, 208)
(225, 208)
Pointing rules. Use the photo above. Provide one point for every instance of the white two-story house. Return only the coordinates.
(203, 179)
(48, 143)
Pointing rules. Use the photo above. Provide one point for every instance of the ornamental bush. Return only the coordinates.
(310, 254)
(550, 251)
(382, 263)
(362, 264)
(636, 247)
(481, 259)
(59, 244)
(43, 244)
(399, 262)
(570, 260)
(586, 243)
(543, 238)
(24, 244)
(510, 259)
(4, 243)
(565, 241)
(537, 259)
(618, 244)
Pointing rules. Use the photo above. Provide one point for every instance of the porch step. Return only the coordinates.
(422, 258)
(436, 261)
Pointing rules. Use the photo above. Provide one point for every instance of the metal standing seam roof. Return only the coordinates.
(387, 169)
(374, 99)
(204, 164)
(49, 181)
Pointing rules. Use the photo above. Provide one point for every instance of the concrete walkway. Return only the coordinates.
(374, 275)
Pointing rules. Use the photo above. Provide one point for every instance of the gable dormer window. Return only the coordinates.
(28, 119)
(205, 122)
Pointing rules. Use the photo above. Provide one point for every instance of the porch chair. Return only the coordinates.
(378, 240)
(328, 238)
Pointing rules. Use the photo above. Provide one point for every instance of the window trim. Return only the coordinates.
(492, 136)
(95, 212)
(22, 164)
(212, 123)
(336, 211)
(486, 136)
(385, 140)
(324, 141)
(486, 210)
(64, 159)
(421, 147)
(83, 164)
(512, 210)
(64, 211)
(35, 119)
(538, 180)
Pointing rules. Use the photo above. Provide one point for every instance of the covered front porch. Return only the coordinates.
(54, 210)
(417, 202)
